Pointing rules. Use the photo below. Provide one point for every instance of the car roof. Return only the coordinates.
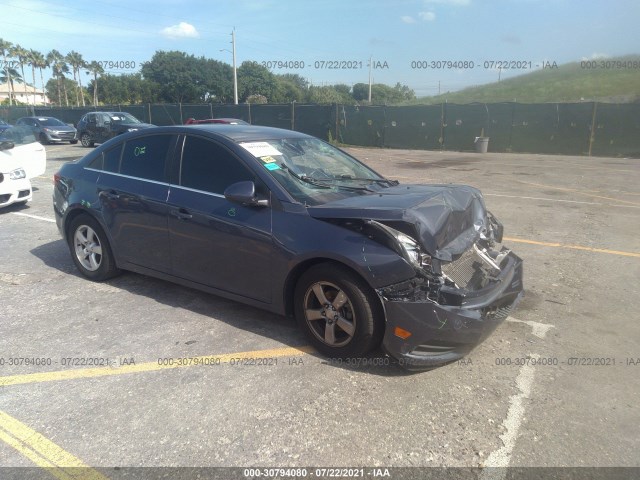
(246, 133)
(235, 133)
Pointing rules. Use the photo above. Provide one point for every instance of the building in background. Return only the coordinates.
(22, 96)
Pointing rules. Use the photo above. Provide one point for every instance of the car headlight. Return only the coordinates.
(17, 174)
(408, 248)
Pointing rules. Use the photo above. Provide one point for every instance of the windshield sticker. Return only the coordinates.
(115, 118)
(260, 149)
(272, 166)
(139, 151)
(268, 159)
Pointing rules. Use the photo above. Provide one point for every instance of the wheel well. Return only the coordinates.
(71, 216)
(296, 273)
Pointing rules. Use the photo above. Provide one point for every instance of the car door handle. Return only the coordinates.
(111, 195)
(182, 214)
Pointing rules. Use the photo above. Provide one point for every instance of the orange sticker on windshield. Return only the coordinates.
(268, 159)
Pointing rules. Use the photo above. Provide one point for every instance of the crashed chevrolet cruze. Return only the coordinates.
(288, 223)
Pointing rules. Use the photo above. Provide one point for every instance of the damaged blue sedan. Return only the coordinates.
(286, 222)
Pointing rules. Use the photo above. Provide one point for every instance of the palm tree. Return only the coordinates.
(54, 59)
(21, 55)
(5, 50)
(10, 76)
(39, 62)
(96, 69)
(77, 62)
(31, 61)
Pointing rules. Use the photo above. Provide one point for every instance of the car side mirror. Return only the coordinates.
(6, 145)
(244, 193)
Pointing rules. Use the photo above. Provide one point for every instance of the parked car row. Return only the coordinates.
(95, 127)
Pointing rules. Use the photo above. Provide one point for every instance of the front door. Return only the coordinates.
(216, 242)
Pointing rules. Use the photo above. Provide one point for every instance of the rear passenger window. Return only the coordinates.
(210, 167)
(112, 159)
(145, 157)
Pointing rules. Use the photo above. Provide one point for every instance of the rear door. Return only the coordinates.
(213, 241)
(133, 190)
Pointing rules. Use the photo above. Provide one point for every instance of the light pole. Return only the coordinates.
(235, 70)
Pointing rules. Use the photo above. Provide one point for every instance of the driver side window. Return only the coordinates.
(210, 167)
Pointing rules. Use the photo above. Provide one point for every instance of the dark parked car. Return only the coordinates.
(286, 222)
(49, 129)
(229, 121)
(98, 127)
(4, 126)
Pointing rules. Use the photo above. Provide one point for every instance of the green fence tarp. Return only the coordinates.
(617, 130)
(563, 128)
(411, 127)
(359, 125)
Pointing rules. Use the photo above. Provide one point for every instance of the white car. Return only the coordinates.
(22, 158)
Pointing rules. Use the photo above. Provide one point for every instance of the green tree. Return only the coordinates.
(59, 67)
(178, 75)
(125, 89)
(254, 79)
(56, 87)
(76, 61)
(94, 68)
(5, 51)
(21, 56)
(11, 76)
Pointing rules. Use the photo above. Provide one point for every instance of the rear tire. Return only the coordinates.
(90, 249)
(338, 311)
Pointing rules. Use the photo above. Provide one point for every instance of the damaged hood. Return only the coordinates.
(446, 220)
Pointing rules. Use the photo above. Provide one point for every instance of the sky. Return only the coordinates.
(430, 45)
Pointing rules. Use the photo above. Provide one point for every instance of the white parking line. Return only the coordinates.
(539, 329)
(558, 200)
(34, 216)
(499, 459)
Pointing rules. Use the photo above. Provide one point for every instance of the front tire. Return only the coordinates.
(43, 139)
(86, 140)
(73, 142)
(90, 249)
(338, 311)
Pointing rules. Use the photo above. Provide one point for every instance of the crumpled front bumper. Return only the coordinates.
(441, 334)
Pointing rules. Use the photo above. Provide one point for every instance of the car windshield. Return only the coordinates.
(18, 135)
(51, 122)
(124, 118)
(313, 171)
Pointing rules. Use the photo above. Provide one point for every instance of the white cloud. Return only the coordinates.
(182, 30)
(427, 16)
(457, 3)
(408, 19)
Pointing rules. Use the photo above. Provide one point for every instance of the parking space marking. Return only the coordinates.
(34, 216)
(502, 457)
(151, 366)
(573, 247)
(538, 329)
(579, 192)
(43, 452)
(558, 200)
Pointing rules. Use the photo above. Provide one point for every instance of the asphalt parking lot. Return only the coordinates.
(112, 375)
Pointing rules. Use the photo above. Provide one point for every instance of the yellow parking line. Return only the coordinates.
(574, 247)
(150, 366)
(43, 452)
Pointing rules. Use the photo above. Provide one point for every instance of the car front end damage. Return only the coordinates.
(449, 307)
(464, 283)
